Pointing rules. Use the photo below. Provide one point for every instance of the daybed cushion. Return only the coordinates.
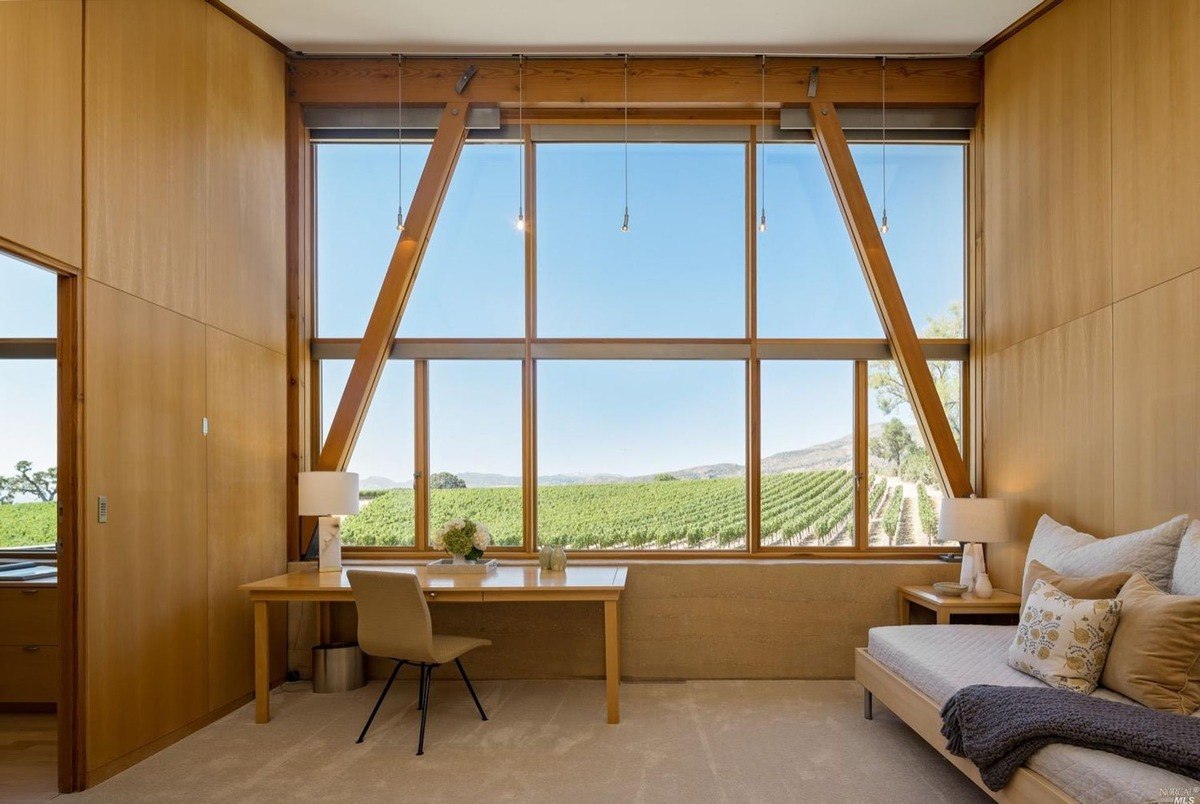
(1063, 640)
(940, 659)
(1155, 654)
(1186, 580)
(1152, 552)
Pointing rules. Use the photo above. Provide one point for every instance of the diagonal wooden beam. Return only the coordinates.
(396, 289)
(889, 301)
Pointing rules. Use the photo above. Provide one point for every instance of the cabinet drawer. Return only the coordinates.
(28, 675)
(29, 616)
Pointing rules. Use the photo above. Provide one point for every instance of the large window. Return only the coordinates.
(690, 384)
(28, 396)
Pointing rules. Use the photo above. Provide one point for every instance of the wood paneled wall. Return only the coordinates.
(41, 125)
(1091, 391)
(185, 322)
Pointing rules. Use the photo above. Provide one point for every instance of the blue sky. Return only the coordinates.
(27, 387)
(678, 272)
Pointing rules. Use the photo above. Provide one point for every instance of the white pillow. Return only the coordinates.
(1186, 580)
(1151, 552)
(1064, 641)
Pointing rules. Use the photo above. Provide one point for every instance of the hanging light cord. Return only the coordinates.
(883, 227)
(400, 142)
(762, 149)
(625, 99)
(521, 132)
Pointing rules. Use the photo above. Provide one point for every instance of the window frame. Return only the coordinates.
(532, 349)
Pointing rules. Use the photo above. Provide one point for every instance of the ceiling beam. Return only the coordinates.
(396, 289)
(653, 82)
(889, 301)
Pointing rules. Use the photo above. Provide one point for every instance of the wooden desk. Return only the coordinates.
(505, 585)
(945, 605)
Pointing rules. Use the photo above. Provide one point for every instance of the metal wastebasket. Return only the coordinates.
(337, 667)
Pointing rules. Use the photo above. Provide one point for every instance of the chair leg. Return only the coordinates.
(421, 690)
(470, 689)
(379, 703)
(425, 685)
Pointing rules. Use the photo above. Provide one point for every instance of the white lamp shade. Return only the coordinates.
(973, 519)
(328, 493)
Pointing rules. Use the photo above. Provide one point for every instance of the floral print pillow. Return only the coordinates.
(1063, 641)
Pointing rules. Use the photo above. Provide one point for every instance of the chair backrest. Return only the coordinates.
(393, 617)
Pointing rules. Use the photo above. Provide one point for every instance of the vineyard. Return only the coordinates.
(28, 524)
(799, 509)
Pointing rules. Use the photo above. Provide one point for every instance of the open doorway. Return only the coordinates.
(38, 527)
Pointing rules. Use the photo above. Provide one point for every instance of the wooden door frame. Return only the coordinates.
(70, 712)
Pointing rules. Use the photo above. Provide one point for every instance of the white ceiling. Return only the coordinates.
(806, 27)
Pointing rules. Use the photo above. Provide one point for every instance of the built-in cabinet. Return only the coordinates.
(185, 373)
(149, 156)
(28, 643)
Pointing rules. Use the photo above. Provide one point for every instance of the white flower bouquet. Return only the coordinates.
(463, 539)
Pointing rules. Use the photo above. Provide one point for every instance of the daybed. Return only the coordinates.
(915, 669)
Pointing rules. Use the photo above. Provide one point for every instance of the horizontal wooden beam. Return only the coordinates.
(28, 348)
(889, 301)
(396, 290)
(653, 82)
(639, 349)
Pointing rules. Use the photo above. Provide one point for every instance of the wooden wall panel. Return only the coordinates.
(1047, 200)
(247, 476)
(41, 127)
(1156, 404)
(145, 141)
(1048, 435)
(1055, 453)
(1156, 175)
(146, 590)
(246, 279)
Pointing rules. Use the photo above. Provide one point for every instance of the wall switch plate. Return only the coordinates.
(102, 509)
(204, 425)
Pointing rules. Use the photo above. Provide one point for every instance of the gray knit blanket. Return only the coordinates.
(999, 728)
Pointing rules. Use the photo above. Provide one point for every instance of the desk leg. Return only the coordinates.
(324, 622)
(943, 616)
(904, 611)
(262, 663)
(612, 663)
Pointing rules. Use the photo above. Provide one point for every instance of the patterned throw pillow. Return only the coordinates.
(1063, 641)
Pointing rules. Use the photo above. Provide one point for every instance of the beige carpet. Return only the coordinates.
(546, 741)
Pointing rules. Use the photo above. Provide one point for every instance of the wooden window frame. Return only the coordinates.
(531, 349)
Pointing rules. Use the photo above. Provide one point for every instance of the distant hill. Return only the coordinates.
(837, 454)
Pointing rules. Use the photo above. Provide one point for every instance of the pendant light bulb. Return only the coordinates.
(521, 221)
(400, 221)
(625, 221)
(762, 221)
(883, 226)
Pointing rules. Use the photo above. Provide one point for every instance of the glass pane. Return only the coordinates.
(356, 198)
(28, 453)
(808, 454)
(383, 455)
(642, 454)
(28, 300)
(926, 237)
(472, 279)
(810, 284)
(680, 269)
(475, 446)
(905, 493)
